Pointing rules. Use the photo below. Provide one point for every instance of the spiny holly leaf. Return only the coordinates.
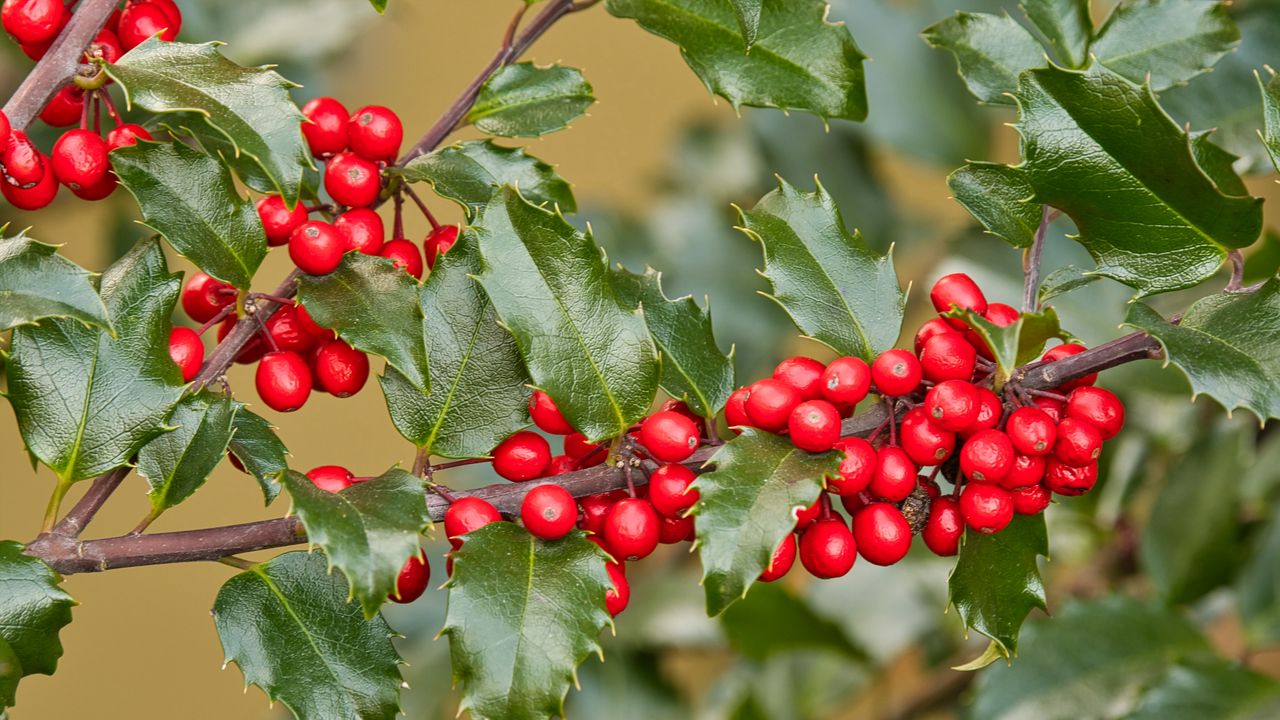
(1270, 132)
(996, 582)
(1170, 41)
(1225, 345)
(582, 345)
(481, 392)
(524, 100)
(798, 62)
(693, 368)
(771, 620)
(999, 197)
(289, 627)
(1017, 344)
(367, 531)
(748, 12)
(836, 289)
(373, 305)
(10, 674)
(1065, 24)
(85, 402)
(473, 172)
(991, 51)
(1064, 280)
(523, 614)
(36, 283)
(1217, 163)
(1100, 149)
(191, 199)
(35, 608)
(249, 107)
(177, 463)
(1217, 689)
(748, 505)
(258, 448)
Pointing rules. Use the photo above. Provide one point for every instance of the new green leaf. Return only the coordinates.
(37, 283)
(1065, 24)
(996, 581)
(177, 463)
(991, 51)
(35, 608)
(999, 197)
(1016, 344)
(1169, 41)
(524, 100)
(258, 448)
(473, 172)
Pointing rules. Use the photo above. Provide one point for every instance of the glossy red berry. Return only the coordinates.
(807, 516)
(316, 247)
(577, 447)
(140, 21)
(32, 22)
(65, 108)
(1065, 350)
(986, 508)
(278, 221)
(5, 128)
(856, 469)
(102, 189)
(675, 530)
(896, 372)
(780, 563)
(1066, 479)
(947, 356)
(79, 159)
(466, 515)
(340, 369)
(802, 373)
(930, 329)
(735, 409)
(288, 331)
(669, 490)
(23, 164)
(882, 533)
(987, 456)
(814, 426)
(187, 351)
(331, 478)
(125, 135)
(944, 527)
(105, 46)
(351, 180)
(549, 512)
(403, 254)
(523, 456)
(952, 405)
(438, 242)
(374, 133)
(618, 595)
(1031, 500)
(326, 129)
(1031, 431)
(546, 414)
(631, 529)
(283, 380)
(1055, 409)
(171, 11)
(310, 325)
(923, 440)
(855, 502)
(560, 464)
(669, 436)
(595, 507)
(957, 290)
(828, 549)
(1027, 470)
(1079, 441)
(1099, 407)
(769, 404)
(412, 580)
(846, 381)
(35, 197)
(895, 476)
(204, 297)
(362, 229)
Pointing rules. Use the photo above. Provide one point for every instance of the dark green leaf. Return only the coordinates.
(367, 531)
(250, 107)
(257, 447)
(798, 62)
(177, 463)
(836, 289)
(523, 614)
(191, 199)
(35, 608)
(36, 283)
(1258, 586)
(481, 391)
(289, 627)
(771, 620)
(550, 287)
(379, 5)
(10, 674)
(693, 368)
(1271, 115)
(373, 305)
(1217, 690)
(996, 581)
(1064, 280)
(999, 196)
(1217, 163)
(473, 172)
(524, 100)
(1014, 345)
(85, 402)
(1225, 345)
(748, 12)
(748, 505)
(991, 51)
(1065, 24)
(1170, 41)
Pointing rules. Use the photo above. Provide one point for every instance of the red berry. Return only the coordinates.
(326, 131)
(595, 507)
(204, 297)
(1055, 409)
(351, 180)
(560, 464)
(546, 414)
(669, 436)
(957, 290)
(577, 447)
(852, 504)
(986, 508)
(1031, 500)
(466, 515)
(278, 221)
(35, 197)
(947, 357)
(828, 549)
(631, 529)
(32, 22)
(1031, 430)
(944, 527)
(5, 128)
(311, 326)
(438, 242)
(283, 380)
(1067, 350)
(802, 373)
(362, 229)
(105, 46)
(997, 314)
(187, 350)
(105, 187)
(79, 159)
(669, 490)
(882, 533)
(814, 426)
(896, 372)
(1099, 407)
(931, 329)
(846, 381)
(807, 516)
(549, 512)
(856, 469)
(412, 580)
(784, 556)
(288, 331)
(675, 530)
(23, 163)
(952, 404)
(895, 476)
(987, 457)
(374, 133)
(523, 456)
(316, 247)
(140, 21)
(735, 409)
(619, 592)
(37, 51)
(331, 478)
(252, 351)
(341, 369)
(680, 407)
(127, 134)
(403, 254)
(923, 440)
(1079, 441)
(171, 11)
(64, 108)
(1027, 470)
(1066, 479)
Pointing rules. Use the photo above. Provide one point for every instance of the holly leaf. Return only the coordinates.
(288, 625)
(748, 12)
(1017, 344)
(177, 463)
(368, 531)
(771, 620)
(1065, 24)
(1217, 163)
(1146, 211)
(1064, 280)
(991, 51)
(249, 107)
(693, 368)
(748, 505)
(37, 283)
(996, 582)
(999, 197)
(799, 61)
(524, 100)
(86, 402)
(191, 199)
(373, 305)
(1215, 689)
(836, 289)
(10, 674)
(1168, 41)
(523, 614)
(549, 285)
(258, 448)
(1225, 345)
(1270, 132)
(481, 386)
(473, 172)
(35, 608)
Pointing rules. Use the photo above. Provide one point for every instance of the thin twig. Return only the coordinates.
(78, 518)
(1031, 263)
(426, 212)
(421, 462)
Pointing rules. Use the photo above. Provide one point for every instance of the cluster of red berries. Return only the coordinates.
(35, 24)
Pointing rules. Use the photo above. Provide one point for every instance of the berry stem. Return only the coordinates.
(458, 463)
(1031, 263)
(217, 318)
(443, 492)
(55, 503)
(271, 298)
(426, 212)
(262, 324)
(397, 232)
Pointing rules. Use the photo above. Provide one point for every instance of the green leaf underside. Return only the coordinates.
(771, 620)
(693, 368)
(1064, 280)
(373, 305)
(996, 582)
(799, 61)
(835, 288)
(368, 531)
(35, 608)
(250, 107)
(85, 403)
(257, 447)
(37, 283)
(748, 12)
(990, 51)
(177, 463)
(549, 285)
(1271, 115)
(190, 198)
(473, 172)
(1151, 217)
(748, 505)
(1216, 690)
(480, 389)
(1065, 24)
(1017, 344)
(1170, 41)
(999, 197)
(523, 614)
(1226, 346)
(288, 626)
(524, 100)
